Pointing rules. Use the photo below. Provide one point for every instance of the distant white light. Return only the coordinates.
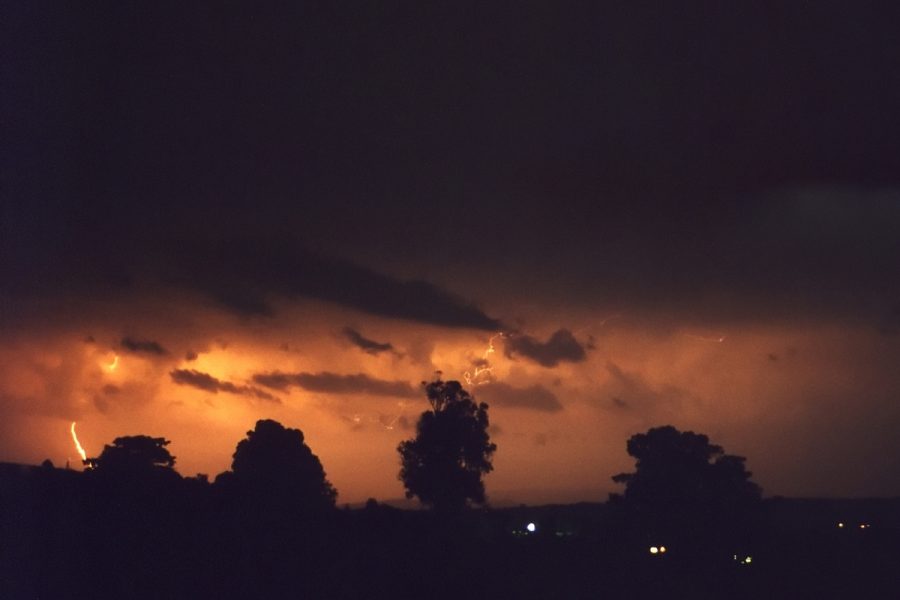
(840, 525)
(654, 550)
(531, 527)
(662, 549)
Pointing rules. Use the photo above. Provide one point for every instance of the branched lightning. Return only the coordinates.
(484, 370)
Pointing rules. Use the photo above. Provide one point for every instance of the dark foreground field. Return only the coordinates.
(63, 537)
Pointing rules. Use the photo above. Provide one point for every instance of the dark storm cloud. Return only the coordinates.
(206, 382)
(645, 174)
(725, 165)
(365, 344)
(245, 275)
(333, 383)
(535, 397)
(560, 347)
(276, 380)
(143, 346)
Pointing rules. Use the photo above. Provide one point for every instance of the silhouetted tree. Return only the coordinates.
(134, 454)
(134, 482)
(683, 483)
(443, 465)
(273, 463)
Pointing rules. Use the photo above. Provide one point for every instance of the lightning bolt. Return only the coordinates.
(390, 424)
(484, 371)
(112, 366)
(78, 447)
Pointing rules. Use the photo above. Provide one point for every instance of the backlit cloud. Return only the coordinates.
(365, 344)
(145, 346)
(206, 382)
(333, 383)
(560, 347)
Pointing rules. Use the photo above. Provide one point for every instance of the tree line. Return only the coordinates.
(687, 523)
(680, 477)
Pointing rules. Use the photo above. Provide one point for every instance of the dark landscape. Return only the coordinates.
(143, 531)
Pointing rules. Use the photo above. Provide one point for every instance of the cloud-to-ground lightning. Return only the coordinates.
(78, 447)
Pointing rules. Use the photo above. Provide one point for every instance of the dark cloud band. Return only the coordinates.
(206, 382)
(365, 344)
(333, 383)
(145, 346)
(560, 347)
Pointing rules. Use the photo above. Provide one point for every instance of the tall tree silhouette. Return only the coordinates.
(275, 465)
(444, 464)
(683, 483)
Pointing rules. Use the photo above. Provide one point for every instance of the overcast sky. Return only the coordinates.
(671, 215)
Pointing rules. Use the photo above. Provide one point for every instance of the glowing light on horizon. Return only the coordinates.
(654, 550)
(78, 447)
(531, 527)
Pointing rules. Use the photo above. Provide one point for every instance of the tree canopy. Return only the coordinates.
(275, 461)
(683, 482)
(444, 464)
(674, 466)
(134, 453)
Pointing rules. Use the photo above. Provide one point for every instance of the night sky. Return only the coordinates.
(685, 214)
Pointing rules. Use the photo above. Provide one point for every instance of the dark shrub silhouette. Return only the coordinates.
(443, 465)
(686, 487)
(134, 454)
(275, 465)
